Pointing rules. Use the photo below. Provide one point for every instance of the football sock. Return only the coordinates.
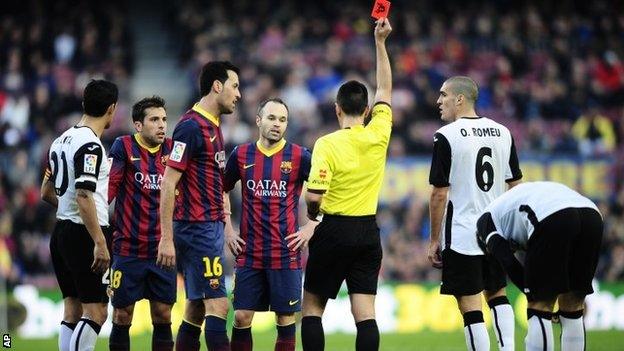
(367, 338)
(503, 322)
(65, 335)
(572, 331)
(162, 339)
(312, 336)
(216, 334)
(188, 337)
(84, 335)
(286, 337)
(119, 339)
(241, 339)
(540, 335)
(476, 334)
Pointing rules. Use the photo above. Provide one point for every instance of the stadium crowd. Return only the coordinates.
(556, 80)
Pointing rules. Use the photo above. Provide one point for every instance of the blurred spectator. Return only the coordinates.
(594, 132)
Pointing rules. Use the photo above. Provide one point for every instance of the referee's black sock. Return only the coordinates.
(188, 337)
(162, 339)
(367, 336)
(312, 335)
(119, 339)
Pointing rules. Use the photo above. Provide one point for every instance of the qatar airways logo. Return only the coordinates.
(267, 188)
(148, 181)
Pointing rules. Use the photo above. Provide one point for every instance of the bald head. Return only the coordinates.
(462, 85)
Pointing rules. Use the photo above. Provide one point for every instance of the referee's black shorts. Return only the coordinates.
(344, 248)
(562, 254)
(71, 248)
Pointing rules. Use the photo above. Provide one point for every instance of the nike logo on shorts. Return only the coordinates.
(292, 303)
(249, 166)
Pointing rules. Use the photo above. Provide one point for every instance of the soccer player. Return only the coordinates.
(137, 167)
(561, 233)
(347, 171)
(474, 160)
(195, 167)
(76, 183)
(268, 273)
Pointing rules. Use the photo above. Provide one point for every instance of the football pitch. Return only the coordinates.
(596, 340)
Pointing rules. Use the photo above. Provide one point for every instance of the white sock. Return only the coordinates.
(503, 322)
(476, 334)
(84, 336)
(540, 334)
(65, 335)
(572, 331)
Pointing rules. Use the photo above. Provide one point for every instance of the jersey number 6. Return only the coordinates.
(484, 172)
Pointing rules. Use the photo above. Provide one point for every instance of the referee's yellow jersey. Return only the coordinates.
(349, 164)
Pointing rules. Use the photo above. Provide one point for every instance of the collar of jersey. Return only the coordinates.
(206, 114)
(272, 151)
(141, 143)
(355, 127)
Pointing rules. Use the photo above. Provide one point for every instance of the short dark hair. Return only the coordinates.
(98, 96)
(138, 109)
(265, 102)
(352, 98)
(214, 70)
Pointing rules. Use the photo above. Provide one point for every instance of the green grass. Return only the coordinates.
(596, 340)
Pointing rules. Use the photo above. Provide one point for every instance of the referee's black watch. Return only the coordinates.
(317, 218)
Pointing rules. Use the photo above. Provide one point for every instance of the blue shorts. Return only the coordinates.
(133, 279)
(277, 290)
(199, 253)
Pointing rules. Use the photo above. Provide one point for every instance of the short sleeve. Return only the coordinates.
(513, 172)
(321, 169)
(232, 172)
(440, 162)
(381, 121)
(186, 142)
(87, 162)
(117, 157)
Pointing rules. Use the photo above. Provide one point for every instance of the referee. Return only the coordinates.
(347, 170)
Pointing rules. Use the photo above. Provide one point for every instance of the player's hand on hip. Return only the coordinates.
(234, 242)
(101, 258)
(434, 254)
(166, 254)
(301, 238)
(382, 29)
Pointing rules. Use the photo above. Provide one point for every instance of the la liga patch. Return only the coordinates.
(178, 151)
(90, 161)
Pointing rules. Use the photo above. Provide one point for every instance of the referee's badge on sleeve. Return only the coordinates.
(178, 151)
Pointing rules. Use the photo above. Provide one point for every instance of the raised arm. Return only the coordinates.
(384, 72)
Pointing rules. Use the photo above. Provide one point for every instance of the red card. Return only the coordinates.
(381, 9)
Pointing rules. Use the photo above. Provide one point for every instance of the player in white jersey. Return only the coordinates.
(561, 233)
(474, 161)
(76, 182)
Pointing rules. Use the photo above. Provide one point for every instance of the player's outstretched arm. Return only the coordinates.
(499, 248)
(384, 72)
(166, 249)
(88, 213)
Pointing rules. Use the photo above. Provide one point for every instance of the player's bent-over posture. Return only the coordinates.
(347, 170)
(76, 182)
(193, 181)
(137, 166)
(474, 160)
(268, 273)
(561, 233)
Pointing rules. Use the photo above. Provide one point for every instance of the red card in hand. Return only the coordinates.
(381, 9)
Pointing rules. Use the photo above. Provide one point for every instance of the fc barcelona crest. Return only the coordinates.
(214, 283)
(164, 159)
(286, 167)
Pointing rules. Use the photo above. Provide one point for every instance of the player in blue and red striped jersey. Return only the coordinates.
(195, 167)
(268, 273)
(137, 166)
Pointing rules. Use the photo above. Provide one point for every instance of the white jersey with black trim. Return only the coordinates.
(77, 161)
(474, 157)
(516, 213)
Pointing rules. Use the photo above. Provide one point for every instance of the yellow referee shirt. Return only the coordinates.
(349, 164)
